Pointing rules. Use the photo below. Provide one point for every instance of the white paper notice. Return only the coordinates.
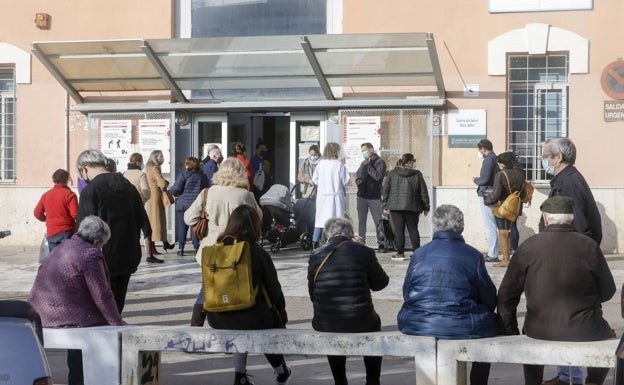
(358, 130)
(155, 134)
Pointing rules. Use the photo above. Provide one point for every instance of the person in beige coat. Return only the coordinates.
(155, 207)
(137, 177)
(230, 189)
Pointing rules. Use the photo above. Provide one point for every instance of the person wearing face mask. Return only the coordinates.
(111, 197)
(558, 157)
(369, 179)
(404, 197)
(485, 185)
(155, 206)
(307, 170)
(260, 160)
(506, 182)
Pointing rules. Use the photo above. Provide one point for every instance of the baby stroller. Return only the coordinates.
(280, 226)
(304, 213)
(277, 212)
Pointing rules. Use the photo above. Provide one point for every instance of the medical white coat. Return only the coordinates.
(331, 178)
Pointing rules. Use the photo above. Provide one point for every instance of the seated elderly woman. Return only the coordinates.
(447, 292)
(341, 275)
(72, 288)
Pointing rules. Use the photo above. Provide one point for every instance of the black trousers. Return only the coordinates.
(119, 287)
(479, 373)
(399, 219)
(372, 364)
(74, 364)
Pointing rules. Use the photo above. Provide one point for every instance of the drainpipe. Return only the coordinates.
(66, 134)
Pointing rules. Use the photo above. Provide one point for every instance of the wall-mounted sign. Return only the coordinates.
(116, 141)
(613, 111)
(539, 5)
(466, 127)
(612, 80)
(358, 130)
(155, 134)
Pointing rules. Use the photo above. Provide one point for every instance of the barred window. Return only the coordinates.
(537, 107)
(7, 125)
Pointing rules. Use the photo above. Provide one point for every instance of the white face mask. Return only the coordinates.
(479, 155)
(546, 166)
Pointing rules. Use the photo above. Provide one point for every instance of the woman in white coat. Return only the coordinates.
(330, 177)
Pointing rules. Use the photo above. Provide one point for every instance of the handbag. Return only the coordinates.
(200, 229)
(510, 208)
(167, 198)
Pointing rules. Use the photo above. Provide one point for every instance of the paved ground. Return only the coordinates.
(163, 294)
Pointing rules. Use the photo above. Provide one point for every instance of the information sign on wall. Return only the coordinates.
(116, 141)
(155, 134)
(466, 127)
(358, 130)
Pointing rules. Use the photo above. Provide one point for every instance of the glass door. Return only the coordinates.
(210, 129)
(305, 130)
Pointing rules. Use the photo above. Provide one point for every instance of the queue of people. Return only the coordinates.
(447, 291)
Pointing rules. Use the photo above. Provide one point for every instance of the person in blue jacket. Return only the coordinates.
(447, 292)
(186, 188)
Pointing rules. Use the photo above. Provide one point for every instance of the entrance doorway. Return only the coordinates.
(286, 136)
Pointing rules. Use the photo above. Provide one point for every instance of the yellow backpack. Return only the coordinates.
(227, 276)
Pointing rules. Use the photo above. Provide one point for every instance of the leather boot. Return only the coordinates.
(504, 242)
(199, 315)
(168, 246)
(149, 247)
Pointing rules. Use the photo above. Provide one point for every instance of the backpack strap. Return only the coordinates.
(509, 184)
(203, 205)
(326, 258)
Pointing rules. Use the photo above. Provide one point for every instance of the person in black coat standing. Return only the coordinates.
(110, 196)
(369, 178)
(341, 275)
(404, 197)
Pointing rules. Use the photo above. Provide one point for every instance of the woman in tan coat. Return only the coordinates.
(155, 207)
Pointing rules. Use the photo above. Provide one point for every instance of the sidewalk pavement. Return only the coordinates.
(181, 276)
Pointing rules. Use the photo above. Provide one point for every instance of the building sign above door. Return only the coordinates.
(539, 5)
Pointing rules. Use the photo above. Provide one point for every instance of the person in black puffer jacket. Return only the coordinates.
(186, 188)
(404, 197)
(341, 275)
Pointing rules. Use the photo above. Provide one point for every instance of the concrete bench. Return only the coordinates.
(453, 354)
(101, 350)
(286, 341)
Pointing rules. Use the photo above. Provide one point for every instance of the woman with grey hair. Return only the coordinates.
(447, 292)
(341, 275)
(72, 287)
(331, 178)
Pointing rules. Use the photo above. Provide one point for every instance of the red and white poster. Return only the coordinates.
(115, 141)
(155, 134)
(358, 130)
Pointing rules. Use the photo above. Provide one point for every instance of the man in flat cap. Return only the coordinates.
(565, 278)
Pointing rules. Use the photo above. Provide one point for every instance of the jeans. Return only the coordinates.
(564, 374)
(57, 239)
(363, 206)
(400, 219)
(316, 236)
(533, 375)
(182, 230)
(490, 229)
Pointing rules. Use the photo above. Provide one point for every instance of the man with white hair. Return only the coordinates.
(565, 278)
(212, 162)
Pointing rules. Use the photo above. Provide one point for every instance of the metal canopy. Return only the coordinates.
(258, 68)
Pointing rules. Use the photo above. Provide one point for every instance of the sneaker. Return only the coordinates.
(398, 257)
(154, 260)
(282, 379)
(487, 258)
(241, 378)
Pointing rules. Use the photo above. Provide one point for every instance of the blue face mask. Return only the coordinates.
(314, 157)
(366, 154)
(549, 170)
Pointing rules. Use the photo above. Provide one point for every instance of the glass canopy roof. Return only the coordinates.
(262, 67)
